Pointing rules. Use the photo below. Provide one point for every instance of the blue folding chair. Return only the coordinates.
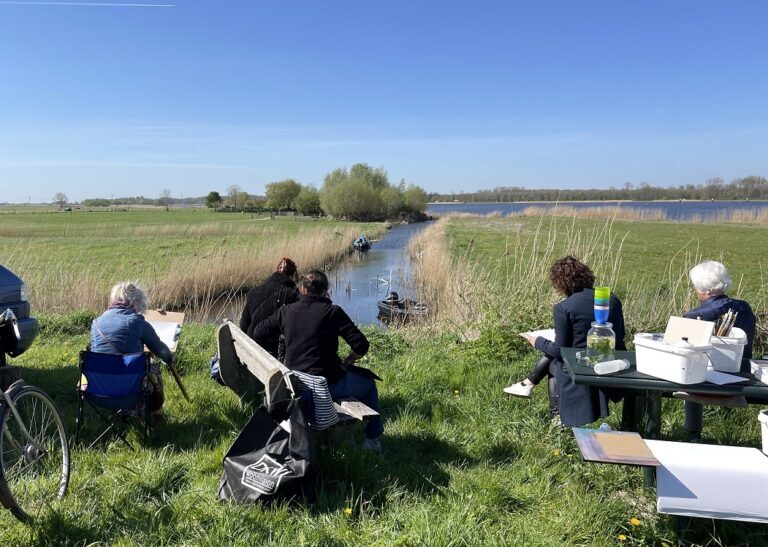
(117, 387)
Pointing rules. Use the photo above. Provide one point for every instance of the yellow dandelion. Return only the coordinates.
(456, 392)
(622, 537)
(634, 522)
(347, 511)
(556, 452)
(570, 456)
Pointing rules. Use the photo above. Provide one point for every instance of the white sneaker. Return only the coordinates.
(519, 390)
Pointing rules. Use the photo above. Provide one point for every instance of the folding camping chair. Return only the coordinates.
(117, 387)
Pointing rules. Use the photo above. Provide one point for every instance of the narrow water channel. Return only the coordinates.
(359, 282)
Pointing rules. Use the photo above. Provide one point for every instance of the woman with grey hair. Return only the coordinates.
(711, 281)
(122, 329)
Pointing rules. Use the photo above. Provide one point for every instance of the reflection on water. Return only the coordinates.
(358, 283)
(230, 307)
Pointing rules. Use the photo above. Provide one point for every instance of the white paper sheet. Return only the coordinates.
(711, 481)
(722, 378)
(167, 331)
(549, 334)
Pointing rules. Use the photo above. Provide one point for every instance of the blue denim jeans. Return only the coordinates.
(364, 390)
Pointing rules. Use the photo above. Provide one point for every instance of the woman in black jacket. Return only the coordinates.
(263, 300)
(312, 327)
(579, 404)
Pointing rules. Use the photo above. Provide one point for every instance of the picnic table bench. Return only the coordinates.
(248, 370)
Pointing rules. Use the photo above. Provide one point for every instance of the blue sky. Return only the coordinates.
(109, 100)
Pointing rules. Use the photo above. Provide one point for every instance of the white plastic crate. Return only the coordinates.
(760, 370)
(668, 362)
(727, 351)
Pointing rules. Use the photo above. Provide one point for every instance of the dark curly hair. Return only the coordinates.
(286, 266)
(568, 275)
(314, 282)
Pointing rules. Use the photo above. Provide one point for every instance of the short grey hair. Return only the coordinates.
(710, 277)
(131, 294)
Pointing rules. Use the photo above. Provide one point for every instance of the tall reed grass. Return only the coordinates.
(629, 213)
(511, 283)
(608, 212)
(196, 283)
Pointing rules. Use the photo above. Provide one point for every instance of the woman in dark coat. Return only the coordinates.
(312, 327)
(263, 300)
(579, 404)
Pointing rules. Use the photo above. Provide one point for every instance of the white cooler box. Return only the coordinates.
(668, 362)
(727, 351)
(760, 369)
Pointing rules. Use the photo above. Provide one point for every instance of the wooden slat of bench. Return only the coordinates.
(234, 374)
(355, 408)
(258, 360)
(271, 372)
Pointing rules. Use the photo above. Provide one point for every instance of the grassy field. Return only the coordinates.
(187, 258)
(464, 464)
(498, 267)
(648, 250)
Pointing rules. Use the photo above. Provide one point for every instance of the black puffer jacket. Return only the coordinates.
(264, 300)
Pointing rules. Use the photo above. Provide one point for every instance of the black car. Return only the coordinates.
(13, 296)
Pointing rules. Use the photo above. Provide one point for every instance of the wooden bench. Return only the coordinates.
(248, 369)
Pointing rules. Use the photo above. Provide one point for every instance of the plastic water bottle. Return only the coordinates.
(609, 367)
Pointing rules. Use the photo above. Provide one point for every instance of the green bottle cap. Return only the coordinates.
(602, 293)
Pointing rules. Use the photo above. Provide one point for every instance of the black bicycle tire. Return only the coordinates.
(7, 420)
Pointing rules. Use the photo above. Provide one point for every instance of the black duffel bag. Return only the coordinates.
(268, 463)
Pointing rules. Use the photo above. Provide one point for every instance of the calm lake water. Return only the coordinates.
(675, 210)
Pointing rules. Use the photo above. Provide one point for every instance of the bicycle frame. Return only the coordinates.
(6, 399)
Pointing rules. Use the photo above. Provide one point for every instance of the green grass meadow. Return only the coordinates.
(648, 249)
(645, 263)
(464, 464)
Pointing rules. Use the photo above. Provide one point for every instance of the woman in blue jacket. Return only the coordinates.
(578, 404)
(122, 329)
(710, 280)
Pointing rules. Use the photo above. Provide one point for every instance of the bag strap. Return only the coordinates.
(105, 337)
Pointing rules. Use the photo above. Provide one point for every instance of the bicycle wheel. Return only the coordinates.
(33, 473)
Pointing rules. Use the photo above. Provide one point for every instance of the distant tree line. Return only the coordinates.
(141, 200)
(751, 187)
(358, 193)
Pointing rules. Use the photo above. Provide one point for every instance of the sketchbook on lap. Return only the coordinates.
(549, 334)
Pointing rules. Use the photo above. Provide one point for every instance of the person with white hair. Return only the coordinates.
(711, 282)
(122, 329)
